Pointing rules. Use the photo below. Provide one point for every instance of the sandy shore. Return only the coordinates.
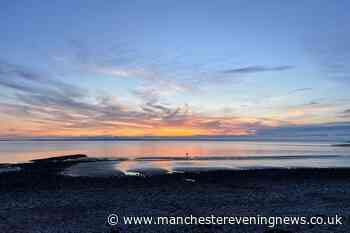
(34, 202)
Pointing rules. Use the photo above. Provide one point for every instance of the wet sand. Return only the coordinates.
(46, 202)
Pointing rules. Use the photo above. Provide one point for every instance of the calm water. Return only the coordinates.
(189, 154)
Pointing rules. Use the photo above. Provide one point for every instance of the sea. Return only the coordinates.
(166, 156)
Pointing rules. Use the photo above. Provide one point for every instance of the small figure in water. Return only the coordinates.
(187, 157)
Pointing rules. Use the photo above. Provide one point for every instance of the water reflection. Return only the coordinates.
(24, 151)
(152, 167)
(154, 157)
(94, 169)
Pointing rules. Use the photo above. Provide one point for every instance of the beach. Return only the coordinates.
(77, 193)
(174, 116)
(46, 201)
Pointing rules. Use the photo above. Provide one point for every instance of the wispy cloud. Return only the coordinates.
(300, 90)
(19, 78)
(345, 114)
(323, 130)
(46, 106)
(120, 71)
(256, 69)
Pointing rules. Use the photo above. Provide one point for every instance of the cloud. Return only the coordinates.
(313, 103)
(345, 114)
(256, 69)
(21, 79)
(323, 130)
(300, 90)
(120, 71)
(46, 99)
(45, 106)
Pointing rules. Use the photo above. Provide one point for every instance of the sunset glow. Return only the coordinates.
(154, 69)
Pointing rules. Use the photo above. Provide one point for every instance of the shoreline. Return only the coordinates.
(61, 164)
(38, 198)
(43, 179)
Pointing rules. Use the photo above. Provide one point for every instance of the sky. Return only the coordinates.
(174, 68)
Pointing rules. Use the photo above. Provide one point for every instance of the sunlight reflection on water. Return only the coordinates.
(177, 156)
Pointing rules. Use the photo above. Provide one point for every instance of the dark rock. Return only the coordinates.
(59, 158)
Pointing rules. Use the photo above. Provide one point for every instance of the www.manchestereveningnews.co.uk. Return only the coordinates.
(270, 221)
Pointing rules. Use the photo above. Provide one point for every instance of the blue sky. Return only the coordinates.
(172, 67)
